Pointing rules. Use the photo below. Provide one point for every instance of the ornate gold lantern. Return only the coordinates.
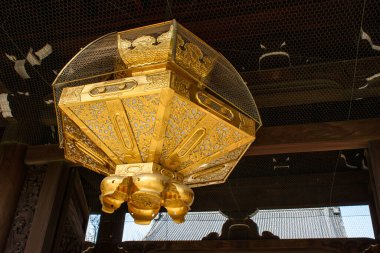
(157, 111)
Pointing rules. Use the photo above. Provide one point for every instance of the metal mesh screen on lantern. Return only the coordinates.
(101, 61)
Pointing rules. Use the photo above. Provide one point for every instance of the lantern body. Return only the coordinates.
(161, 113)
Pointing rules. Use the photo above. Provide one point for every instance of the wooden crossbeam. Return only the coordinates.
(42, 154)
(326, 136)
(309, 84)
(245, 195)
(292, 191)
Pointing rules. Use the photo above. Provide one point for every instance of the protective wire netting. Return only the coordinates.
(303, 61)
(111, 56)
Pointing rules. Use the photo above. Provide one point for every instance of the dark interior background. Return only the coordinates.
(323, 78)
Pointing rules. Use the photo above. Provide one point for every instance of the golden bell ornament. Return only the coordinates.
(178, 213)
(110, 204)
(178, 199)
(114, 192)
(142, 216)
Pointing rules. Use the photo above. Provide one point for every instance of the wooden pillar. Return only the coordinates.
(74, 213)
(110, 230)
(48, 210)
(12, 173)
(374, 169)
(61, 213)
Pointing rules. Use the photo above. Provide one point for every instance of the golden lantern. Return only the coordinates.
(157, 111)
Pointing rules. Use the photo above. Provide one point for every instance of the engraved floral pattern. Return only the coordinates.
(145, 49)
(181, 86)
(221, 137)
(217, 175)
(97, 119)
(26, 206)
(74, 154)
(71, 95)
(158, 81)
(228, 157)
(183, 118)
(190, 56)
(142, 117)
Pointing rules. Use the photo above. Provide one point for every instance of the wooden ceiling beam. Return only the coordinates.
(325, 136)
(306, 97)
(246, 195)
(317, 83)
(42, 154)
(292, 191)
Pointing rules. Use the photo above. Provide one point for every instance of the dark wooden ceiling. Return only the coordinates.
(328, 61)
(323, 78)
